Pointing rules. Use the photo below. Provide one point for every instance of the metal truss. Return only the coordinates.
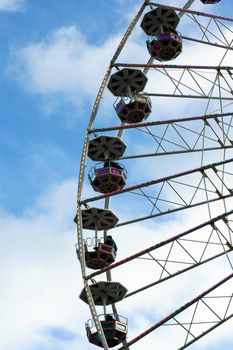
(178, 192)
(194, 82)
(183, 135)
(183, 252)
(195, 324)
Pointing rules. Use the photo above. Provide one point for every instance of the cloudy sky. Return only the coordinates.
(53, 56)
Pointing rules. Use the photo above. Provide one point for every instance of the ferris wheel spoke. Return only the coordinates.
(206, 42)
(167, 121)
(181, 267)
(178, 138)
(206, 149)
(204, 236)
(202, 334)
(197, 302)
(170, 266)
(208, 34)
(178, 191)
(193, 79)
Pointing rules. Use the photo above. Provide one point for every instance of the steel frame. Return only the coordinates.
(195, 301)
(182, 143)
(80, 202)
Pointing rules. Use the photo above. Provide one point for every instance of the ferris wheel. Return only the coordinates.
(155, 227)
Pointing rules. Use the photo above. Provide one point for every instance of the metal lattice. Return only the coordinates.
(184, 174)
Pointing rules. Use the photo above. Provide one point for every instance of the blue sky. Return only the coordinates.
(53, 55)
(33, 137)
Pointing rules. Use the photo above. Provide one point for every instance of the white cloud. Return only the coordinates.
(64, 64)
(64, 67)
(11, 5)
(41, 280)
(39, 273)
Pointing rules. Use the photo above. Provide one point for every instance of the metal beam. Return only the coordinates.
(171, 211)
(153, 182)
(207, 43)
(206, 332)
(176, 66)
(162, 122)
(177, 312)
(168, 153)
(192, 96)
(160, 244)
